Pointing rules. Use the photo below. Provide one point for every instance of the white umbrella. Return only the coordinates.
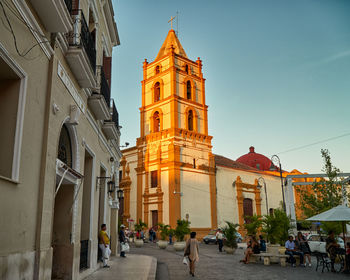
(339, 213)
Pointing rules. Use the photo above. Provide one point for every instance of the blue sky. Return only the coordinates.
(277, 72)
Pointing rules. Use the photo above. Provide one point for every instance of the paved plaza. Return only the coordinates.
(215, 265)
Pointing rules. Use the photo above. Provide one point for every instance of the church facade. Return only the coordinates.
(172, 173)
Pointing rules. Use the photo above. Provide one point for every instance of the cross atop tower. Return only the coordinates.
(171, 21)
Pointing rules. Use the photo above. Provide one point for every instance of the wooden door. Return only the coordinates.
(154, 218)
(247, 209)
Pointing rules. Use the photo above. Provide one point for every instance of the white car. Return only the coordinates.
(317, 243)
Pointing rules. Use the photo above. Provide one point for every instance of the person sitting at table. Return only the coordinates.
(332, 248)
(291, 251)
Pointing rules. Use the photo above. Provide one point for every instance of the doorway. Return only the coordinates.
(154, 218)
(247, 209)
(85, 230)
(62, 260)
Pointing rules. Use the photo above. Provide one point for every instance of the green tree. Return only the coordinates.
(324, 194)
(276, 226)
(182, 228)
(230, 233)
(254, 224)
(164, 231)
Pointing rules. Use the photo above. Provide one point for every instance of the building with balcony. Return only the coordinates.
(59, 139)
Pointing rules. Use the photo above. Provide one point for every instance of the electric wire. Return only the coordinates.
(315, 143)
(24, 54)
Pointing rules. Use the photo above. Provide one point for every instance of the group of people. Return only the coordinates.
(298, 247)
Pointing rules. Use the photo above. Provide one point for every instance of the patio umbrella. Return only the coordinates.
(339, 213)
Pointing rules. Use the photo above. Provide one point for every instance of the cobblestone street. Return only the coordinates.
(215, 265)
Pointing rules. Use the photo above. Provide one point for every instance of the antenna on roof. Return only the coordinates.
(177, 23)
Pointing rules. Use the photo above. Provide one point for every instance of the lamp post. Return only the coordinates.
(276, 159)
(261, 182)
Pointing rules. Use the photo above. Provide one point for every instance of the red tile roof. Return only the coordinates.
(226, 162)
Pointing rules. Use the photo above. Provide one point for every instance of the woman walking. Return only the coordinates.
(192, 252)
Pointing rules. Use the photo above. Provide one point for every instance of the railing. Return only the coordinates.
(81, 36)
(105, 90)
(115, 115)
(69, 5)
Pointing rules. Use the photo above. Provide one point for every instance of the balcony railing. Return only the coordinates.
(105, 91)
(82, 37)
(69, 5)
(115, 115)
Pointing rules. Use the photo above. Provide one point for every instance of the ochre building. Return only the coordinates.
(172, 173)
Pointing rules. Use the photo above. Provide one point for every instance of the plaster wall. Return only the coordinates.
(195, 200)
(227, 207)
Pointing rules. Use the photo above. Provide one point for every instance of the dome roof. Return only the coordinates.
(256, 160)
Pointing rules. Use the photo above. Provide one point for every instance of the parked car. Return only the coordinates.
(317, 243)
(211, 237)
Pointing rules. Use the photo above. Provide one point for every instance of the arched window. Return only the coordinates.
(156, 122)
(188, 89)
(157, 92)
(157, 69)
(65, 147)
(190, 120)
(186, 68)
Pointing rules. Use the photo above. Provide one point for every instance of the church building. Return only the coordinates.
(172, 173)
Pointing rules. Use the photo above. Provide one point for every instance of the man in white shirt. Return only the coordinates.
(220, 239)
(291, 251)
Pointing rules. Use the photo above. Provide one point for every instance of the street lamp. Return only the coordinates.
(276, 160)
(120, 194)
(111, 186)
(261, 182)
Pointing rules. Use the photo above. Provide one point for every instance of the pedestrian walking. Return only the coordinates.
(103, 243)
(122, 240)
(170, 239)
(192, 252)
(220, 239)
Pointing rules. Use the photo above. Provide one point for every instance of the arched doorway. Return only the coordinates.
(62, 229)
(247, 209)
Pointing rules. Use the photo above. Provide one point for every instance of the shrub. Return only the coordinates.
(230, 233)
(164, 231)
(182, 228)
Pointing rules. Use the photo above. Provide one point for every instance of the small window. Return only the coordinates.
(154, 178)
(190, 120)
(188, 88)
(186, 69)
(156, 92)
(194, 163)
(156, 122)
(271, 211)
(157, 69)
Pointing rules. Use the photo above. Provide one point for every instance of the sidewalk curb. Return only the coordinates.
(153, 269)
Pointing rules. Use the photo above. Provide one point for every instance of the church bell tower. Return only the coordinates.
(175, 166)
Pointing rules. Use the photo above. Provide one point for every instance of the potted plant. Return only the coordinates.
(230, 242)
(164, 233)
(276, 227)
(182, 228)
(255, 223)
(138, 228)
